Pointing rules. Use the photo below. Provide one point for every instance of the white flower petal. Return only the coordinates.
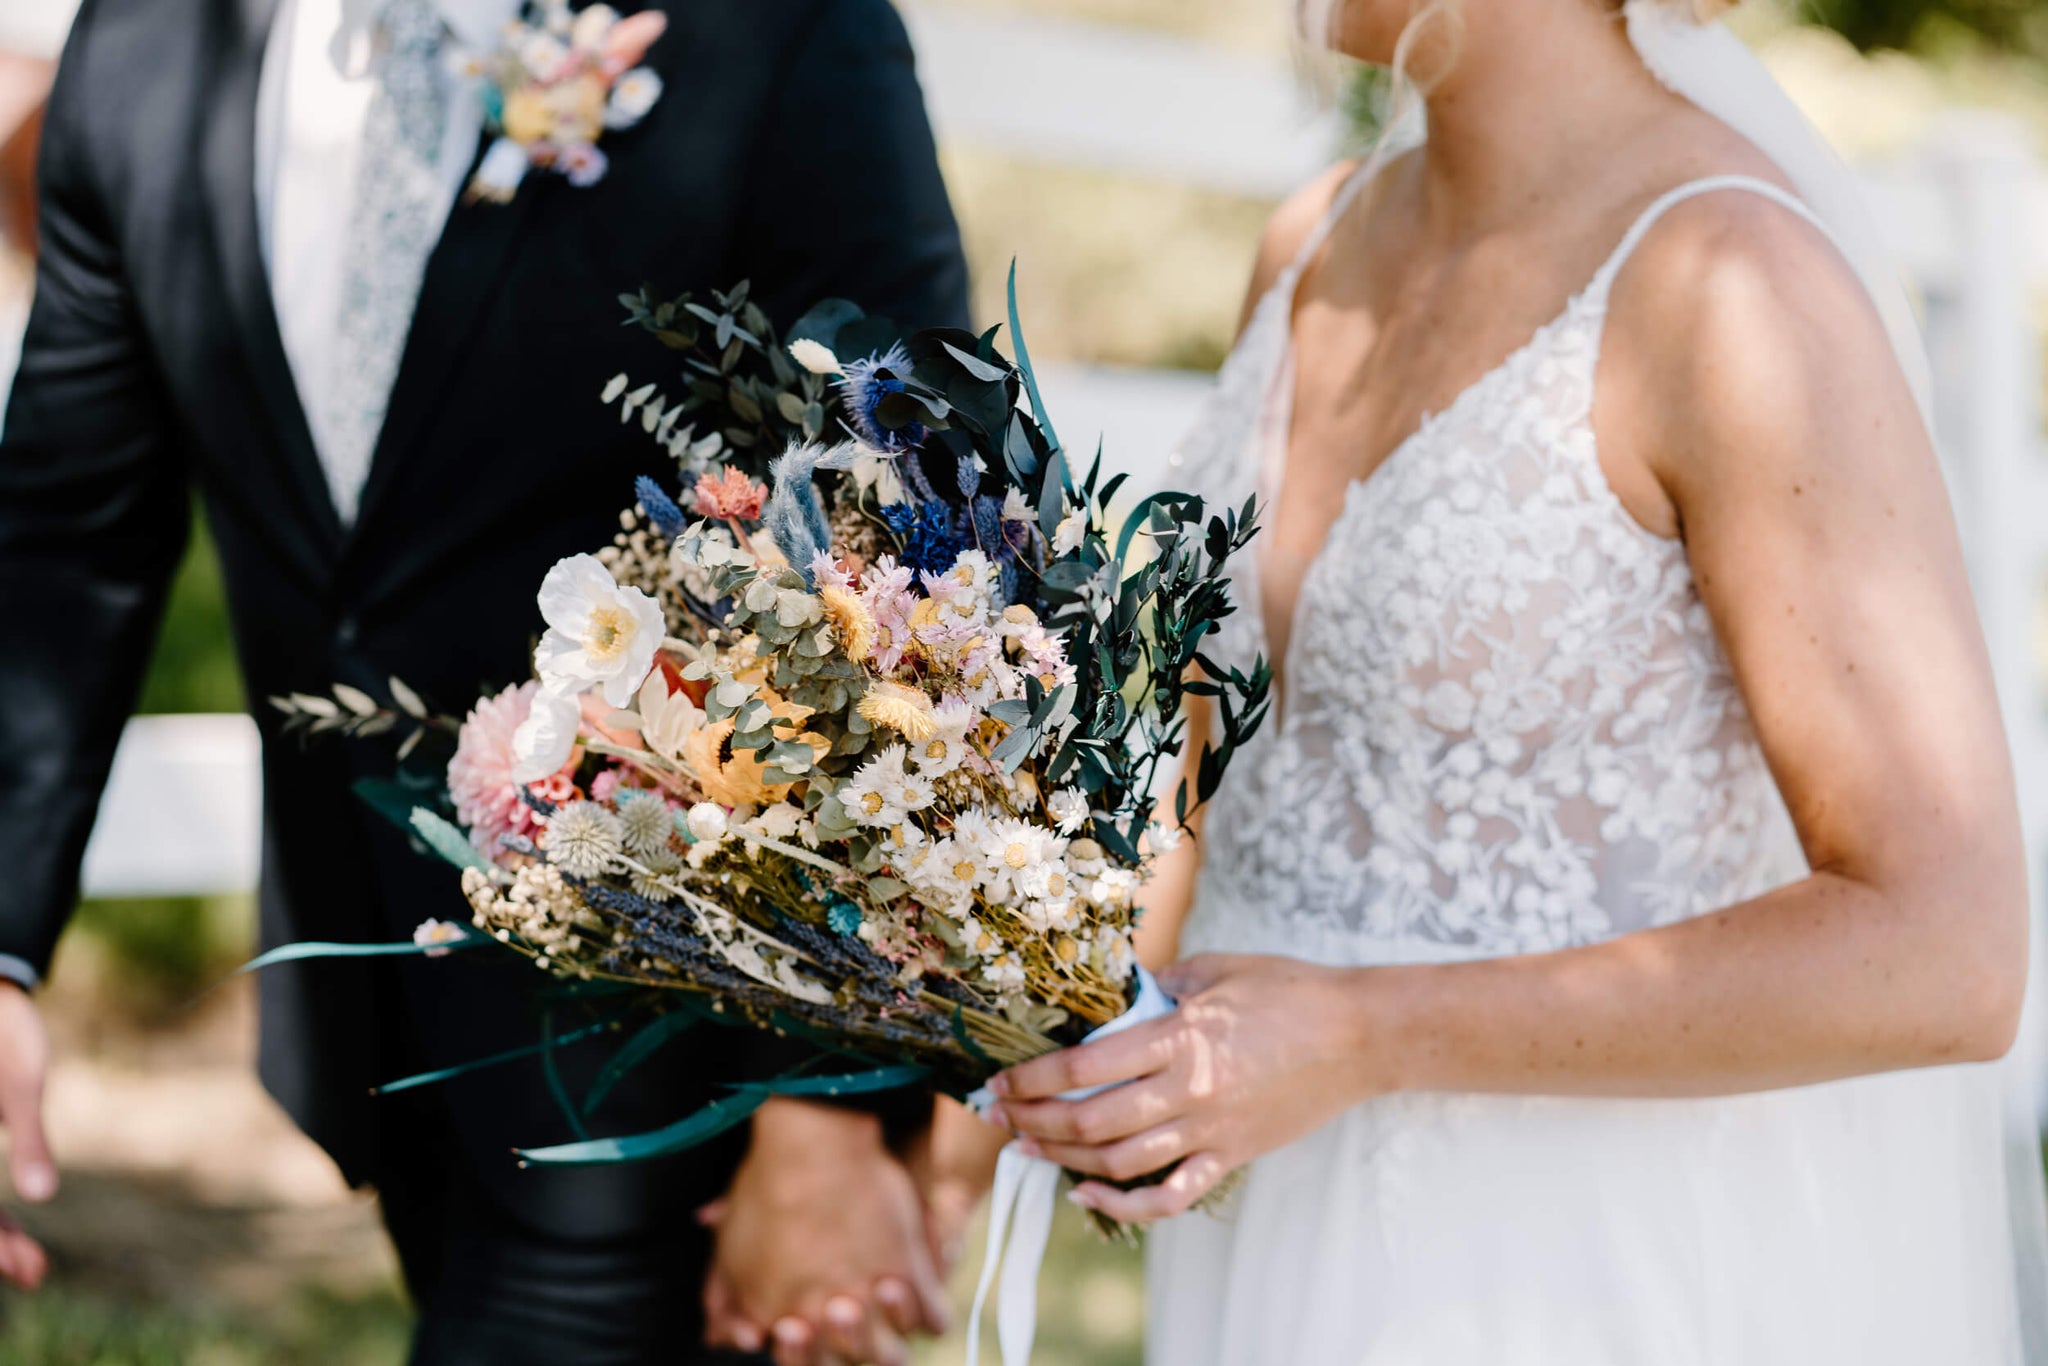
(545, 740)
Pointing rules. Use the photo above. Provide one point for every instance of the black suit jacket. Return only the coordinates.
(790, 147)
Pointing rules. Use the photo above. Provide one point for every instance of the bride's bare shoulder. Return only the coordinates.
(1288, 230)
(1742, 344)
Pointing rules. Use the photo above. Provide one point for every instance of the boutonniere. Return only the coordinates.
(554, 86)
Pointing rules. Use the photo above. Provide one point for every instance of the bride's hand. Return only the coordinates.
(1262, 1051)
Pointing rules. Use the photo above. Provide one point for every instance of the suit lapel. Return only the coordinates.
(230, 173)
(461, 281)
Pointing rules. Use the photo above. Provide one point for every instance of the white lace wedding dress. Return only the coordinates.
(1507, 727)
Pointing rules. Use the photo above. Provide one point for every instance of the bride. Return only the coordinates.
(1587, 961)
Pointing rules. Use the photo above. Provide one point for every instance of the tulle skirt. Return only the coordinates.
(1867, 1222)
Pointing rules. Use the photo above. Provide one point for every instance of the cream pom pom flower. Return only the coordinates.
(708, 823)
(583, 839)
(599, 634)
(645, 823)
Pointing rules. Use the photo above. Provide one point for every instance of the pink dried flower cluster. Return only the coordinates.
(731, 496)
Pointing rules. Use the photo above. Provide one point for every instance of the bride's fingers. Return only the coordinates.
(1192, 976)
(1137, 1052)
(1177, 1194)
(1125, 1160)
(1102, 1118)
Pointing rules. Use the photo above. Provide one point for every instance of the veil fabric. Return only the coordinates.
(1716, 71)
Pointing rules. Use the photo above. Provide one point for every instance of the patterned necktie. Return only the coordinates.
(391, 233)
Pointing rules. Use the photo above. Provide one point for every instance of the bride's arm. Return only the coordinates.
(1746, 356)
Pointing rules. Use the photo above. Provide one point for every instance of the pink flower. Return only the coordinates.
(1045, 655)
(733, 497)
(886, 592)
(487, 799)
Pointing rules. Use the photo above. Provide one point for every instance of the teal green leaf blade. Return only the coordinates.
(707, 1123)
(314, 948)
(843, 1084)
(638, 1049)
(492, 1060)
(1024, 365)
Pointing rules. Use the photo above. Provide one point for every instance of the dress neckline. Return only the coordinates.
(1276, 309)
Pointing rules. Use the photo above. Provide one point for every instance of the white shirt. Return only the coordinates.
(311, 103)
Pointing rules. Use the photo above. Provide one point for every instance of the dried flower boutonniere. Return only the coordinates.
(554, 86)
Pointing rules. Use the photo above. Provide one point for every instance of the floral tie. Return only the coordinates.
(391, 233)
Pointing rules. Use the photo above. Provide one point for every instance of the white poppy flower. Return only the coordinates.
(546, 738)
(599, 635)
(815, 357)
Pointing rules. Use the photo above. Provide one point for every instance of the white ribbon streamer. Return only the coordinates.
(1021, 1208)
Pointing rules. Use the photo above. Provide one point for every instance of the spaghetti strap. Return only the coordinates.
(1603, 282)
(1361, 176)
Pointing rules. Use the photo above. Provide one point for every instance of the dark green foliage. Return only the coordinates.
(2018, 26)
(739, 381)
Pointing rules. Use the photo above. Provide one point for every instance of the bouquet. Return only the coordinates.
(854, 729)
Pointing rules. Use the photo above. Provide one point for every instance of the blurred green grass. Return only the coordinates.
(64, 1328)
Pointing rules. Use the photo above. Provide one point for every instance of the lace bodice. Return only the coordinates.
(1505, 724)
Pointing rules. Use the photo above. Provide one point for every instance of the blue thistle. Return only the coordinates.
(930, 540)
(661, 509)
(864, 385)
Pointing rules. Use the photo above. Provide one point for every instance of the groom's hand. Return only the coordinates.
(822, 1256)
(24, 1056)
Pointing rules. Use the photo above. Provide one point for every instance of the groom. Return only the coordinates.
(257, 280)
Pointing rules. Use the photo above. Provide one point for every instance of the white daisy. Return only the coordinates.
(1067, 536)
(875, 794)
(1011, 856)
(944, 750)
(945, 876)
(1068, 808)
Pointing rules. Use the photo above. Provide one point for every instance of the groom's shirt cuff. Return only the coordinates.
(18, 971)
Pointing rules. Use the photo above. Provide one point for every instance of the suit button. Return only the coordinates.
(346, 631)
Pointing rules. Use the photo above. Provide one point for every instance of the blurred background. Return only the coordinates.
(1126, 153)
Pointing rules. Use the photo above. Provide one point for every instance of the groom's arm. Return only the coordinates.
(846, 200)
(94, 513)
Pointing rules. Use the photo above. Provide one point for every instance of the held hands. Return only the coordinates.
(824, 1256)
(1261, 1051)
(24, 1057)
